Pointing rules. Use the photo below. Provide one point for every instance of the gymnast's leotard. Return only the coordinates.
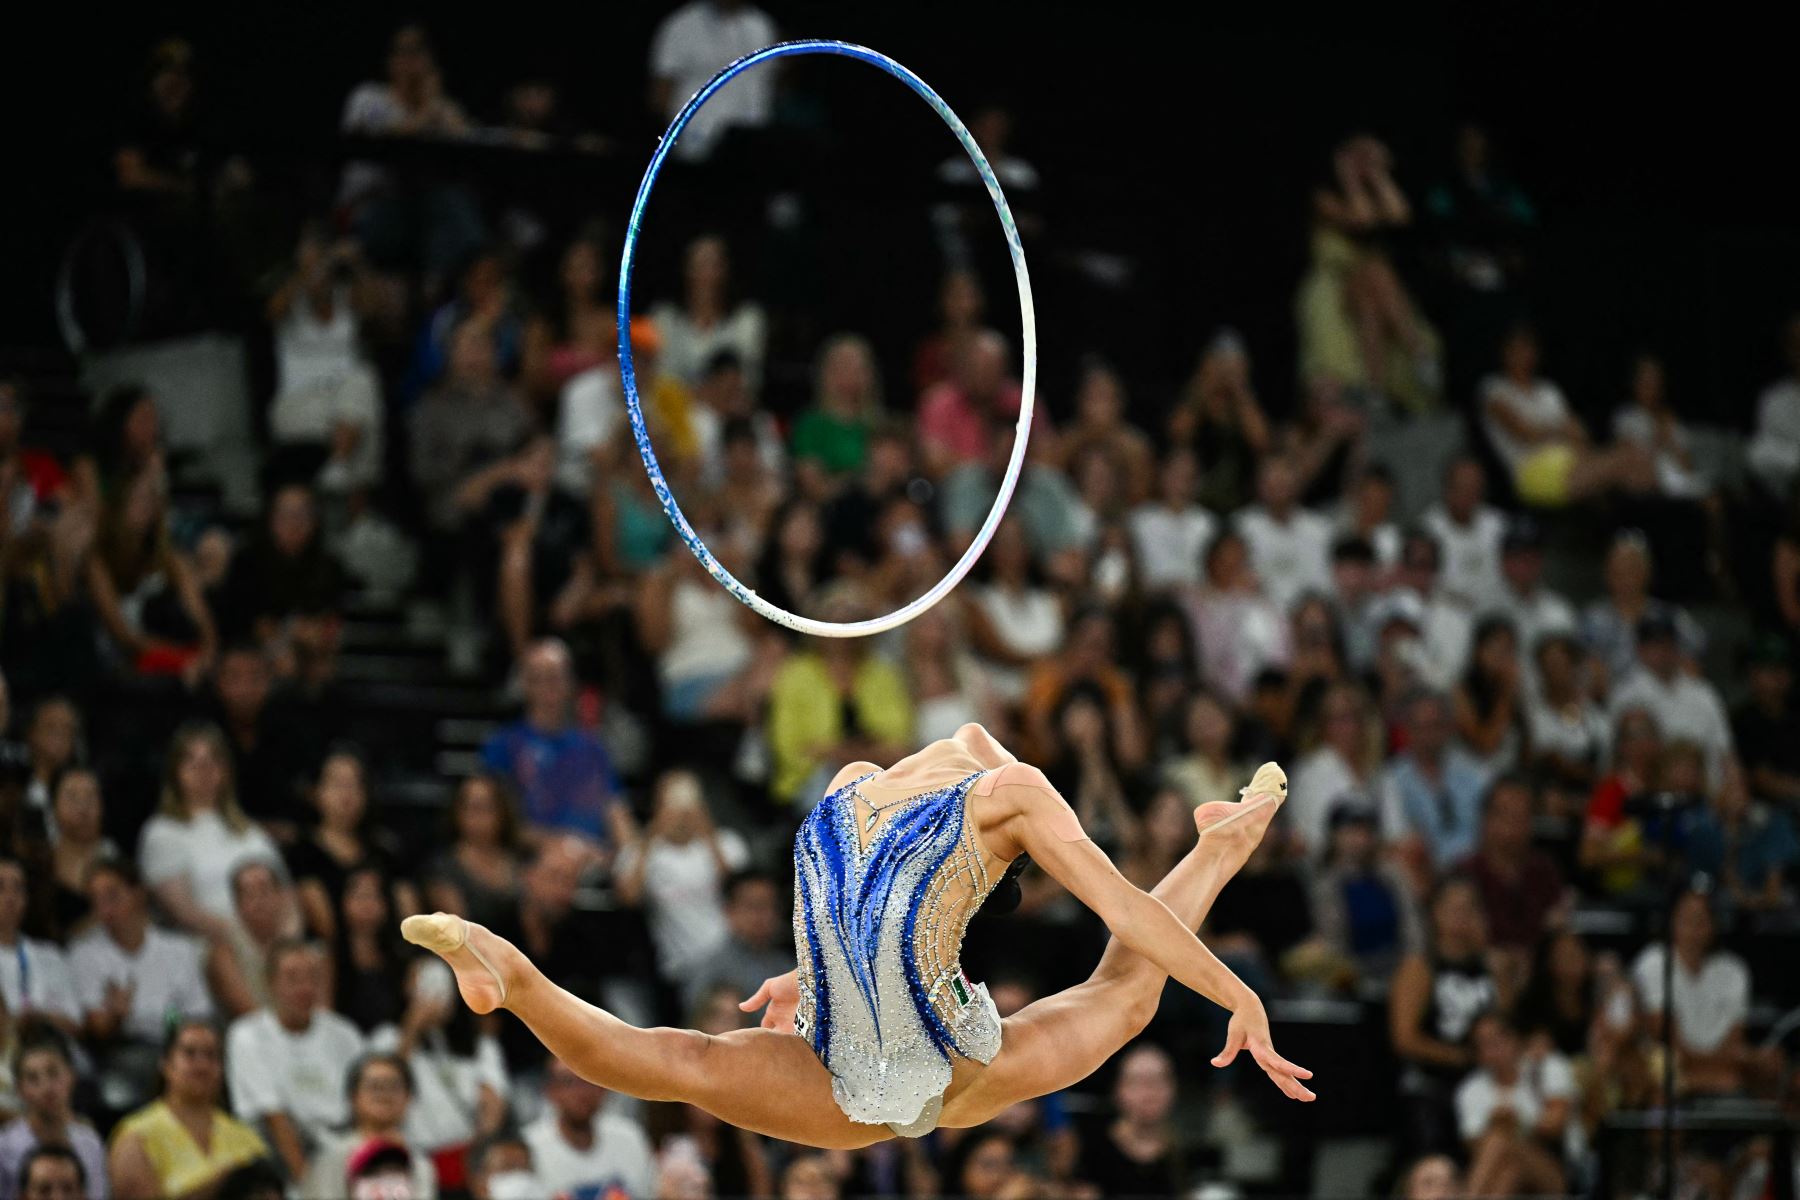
(878, 928)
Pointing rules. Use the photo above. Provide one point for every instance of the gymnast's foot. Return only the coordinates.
(483, 962)
(1236, 828)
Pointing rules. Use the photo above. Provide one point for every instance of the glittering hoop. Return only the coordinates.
(1027, 318)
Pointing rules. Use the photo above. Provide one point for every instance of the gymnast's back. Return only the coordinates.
(888, 870)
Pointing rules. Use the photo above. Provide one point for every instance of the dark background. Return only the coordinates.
(1659, 151)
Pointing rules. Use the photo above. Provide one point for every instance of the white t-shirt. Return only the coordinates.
(271, 1069)
(1480, 1095)
(683, 891)
(687, 348)
(1468, 555)
(1774, 450)
(1540, 406)
(1290, 557)
(1579, 734)
(446, 1088)
(705, 638)
(1320, 781)
(35, 975)
(1030, 623)
(1542, 612)
(620, 1158)
(166, 978)
(688, 49)
(1686, 709)
(205, 852)
(590, 416)
(1169, 544)
(1709, 1003)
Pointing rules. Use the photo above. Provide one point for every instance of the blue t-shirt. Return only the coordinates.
(565, 778)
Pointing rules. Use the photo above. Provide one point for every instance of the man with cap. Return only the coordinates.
(1765, 726)
(1534, 610)
(1686, 707)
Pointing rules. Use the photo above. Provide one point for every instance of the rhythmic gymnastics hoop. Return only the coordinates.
(1027, 318)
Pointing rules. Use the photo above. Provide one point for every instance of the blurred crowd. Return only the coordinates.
(1528, 769)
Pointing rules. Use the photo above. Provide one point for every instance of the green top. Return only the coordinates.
(836, 445)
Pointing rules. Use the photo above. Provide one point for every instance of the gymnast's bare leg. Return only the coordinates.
(772, 1083)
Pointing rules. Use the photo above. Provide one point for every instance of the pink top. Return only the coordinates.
(949, 420)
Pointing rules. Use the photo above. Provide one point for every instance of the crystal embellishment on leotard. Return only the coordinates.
(878, 930)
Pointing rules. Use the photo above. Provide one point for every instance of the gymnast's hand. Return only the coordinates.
(782, 995)
(1249, 1030)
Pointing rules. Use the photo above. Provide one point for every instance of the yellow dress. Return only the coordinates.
(180, 1164)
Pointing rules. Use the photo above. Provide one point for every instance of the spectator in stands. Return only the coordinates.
(340, 843)
(1445, 625)
(689, 47)
(1290, 547)
(578, 1148)
(125, 441)
(1138, 1152)
(960, 421)
(547, 577)
(1649, 421)
(981, 1165)
(1355, 600)
(131, 979)
(1609, 624)
(1433, 1004)
(477, 874)
(1521, 887)
(55, 741)
(46, 1080)
(1763, 725)
(1711, 1002)
(287, 1062)
(271, 746)
(1684, 706)
(458, 1072)
(1543, 445)
(183, 1143)
(948, 687)
(1774, 451)
(369, 952)
(561, 771)
(1359, 329)
(710, 317)
(1341, 757)
(1219, 418)
(1566, 994)
(266, 911)
(1612, 842)
(832, 703)
(577, 330)
(52, 1173)
(32, 477)
(78, 842)
(1172, 530)
(1101, 424)
(286, 588)
(1750, 847)
(1566, 731)
(1433, 1177)
(1362, 902)
(1015, 620)
(1432, 794)
(143, 589)
(1367, 512)
(677, 871)
(1469, 534)
(1239, 629)
(380, 1090)
(463, 429)
(1514, 1114)
(1323, 442)
(34, 975)
(326, 415)
(1088, 660)
(1208, 768)
(434, 225)
(831, 439)
(1490, 698)
(1534, 610)
(1482, 215)
(1083, 764)
(714, 658)
(756, 946)
(500, 1169)
(961, 305)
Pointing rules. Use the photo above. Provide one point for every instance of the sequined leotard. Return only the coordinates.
(878, 933)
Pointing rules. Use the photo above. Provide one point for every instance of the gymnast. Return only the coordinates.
(879, 1033)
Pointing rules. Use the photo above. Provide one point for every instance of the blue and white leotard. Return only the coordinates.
(878, 930)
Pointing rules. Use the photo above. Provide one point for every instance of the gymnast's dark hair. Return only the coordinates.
(1007, 895)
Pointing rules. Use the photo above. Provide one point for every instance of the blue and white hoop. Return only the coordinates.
(1027, 320)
